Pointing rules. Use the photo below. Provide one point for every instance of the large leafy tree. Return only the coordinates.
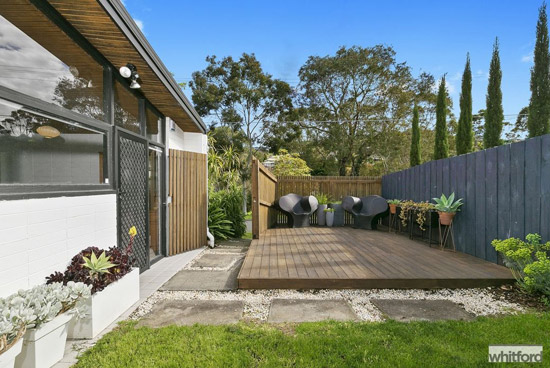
(415, 139)
(538, 121)
(494, 115)
(290, 164)
(465, 133)
(356, 105)
(441, 143)
(239, 94)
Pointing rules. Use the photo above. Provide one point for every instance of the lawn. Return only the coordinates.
(325, 344)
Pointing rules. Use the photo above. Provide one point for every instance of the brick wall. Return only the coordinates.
(40, 236)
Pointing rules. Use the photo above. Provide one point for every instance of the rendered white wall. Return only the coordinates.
(40, 236)
(184, 141)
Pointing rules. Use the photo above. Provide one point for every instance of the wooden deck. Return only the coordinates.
(322, 257)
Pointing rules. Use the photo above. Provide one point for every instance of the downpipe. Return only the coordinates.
(211, 240)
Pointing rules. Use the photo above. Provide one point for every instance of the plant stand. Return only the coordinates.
(394, 223)
(445, 236)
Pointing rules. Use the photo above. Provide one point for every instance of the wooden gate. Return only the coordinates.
(264, 194)
(188, 211)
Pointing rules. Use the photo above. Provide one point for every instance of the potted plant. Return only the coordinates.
(447, 208)
(339, 213)
(46, 311)
(114, 282)
(329, 216)
(323, 200)
(12, 328)
(393, 203)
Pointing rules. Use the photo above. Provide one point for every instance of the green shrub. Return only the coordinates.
(322, 198)
(230, 201)
(528, 261)
(218, 224)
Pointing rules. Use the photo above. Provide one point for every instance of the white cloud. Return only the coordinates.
(139, 23)
(527, 58)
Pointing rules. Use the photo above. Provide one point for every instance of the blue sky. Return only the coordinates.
(432, 36)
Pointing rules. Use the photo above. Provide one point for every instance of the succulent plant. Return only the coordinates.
(98, 265)
(449, 204)
(122, 264)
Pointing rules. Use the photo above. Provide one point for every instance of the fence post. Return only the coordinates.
(255, 200)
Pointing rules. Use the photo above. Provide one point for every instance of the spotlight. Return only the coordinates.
(126, 71)
(130, 72)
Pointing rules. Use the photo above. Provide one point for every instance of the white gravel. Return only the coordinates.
(480, 302)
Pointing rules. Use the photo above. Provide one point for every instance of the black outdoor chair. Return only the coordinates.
(366, 210)
(298, 209)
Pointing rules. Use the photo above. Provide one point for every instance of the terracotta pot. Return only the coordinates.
(393, 209)
(445, 218)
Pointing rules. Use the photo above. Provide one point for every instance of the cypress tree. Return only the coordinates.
(538, 121)
(415, 139)
(465, 133)
(441, 147)
(494, 116)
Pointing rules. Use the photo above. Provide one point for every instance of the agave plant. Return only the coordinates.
(97, 265)
(394, 201)
(448, 204)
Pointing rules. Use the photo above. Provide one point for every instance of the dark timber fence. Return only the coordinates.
(506, 192)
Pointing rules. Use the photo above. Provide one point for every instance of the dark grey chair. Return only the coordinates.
(298, 208)
(366, 210)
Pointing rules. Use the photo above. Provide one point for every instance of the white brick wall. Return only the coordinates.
(40, 236)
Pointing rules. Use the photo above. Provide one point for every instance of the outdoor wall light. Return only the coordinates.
(47, 131)
(129, 71)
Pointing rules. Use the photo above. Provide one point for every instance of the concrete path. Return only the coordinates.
(299, 310)
(421, 310)
(214, 270)
(190, 312)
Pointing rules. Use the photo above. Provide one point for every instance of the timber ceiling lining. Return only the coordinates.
(92, 21)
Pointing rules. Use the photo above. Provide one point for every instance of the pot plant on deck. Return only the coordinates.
(447, 208)
(329, 216)
(323, 200)
(393, 203)
(114, 282)
(45, 312)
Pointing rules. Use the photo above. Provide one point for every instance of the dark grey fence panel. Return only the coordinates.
(506, 192)
(545, 188)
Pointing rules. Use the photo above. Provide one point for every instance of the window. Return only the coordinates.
(38, 149)
(40, 60)
(126, 109)
(154, 125)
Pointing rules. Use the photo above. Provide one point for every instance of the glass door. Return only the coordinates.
(155, 185)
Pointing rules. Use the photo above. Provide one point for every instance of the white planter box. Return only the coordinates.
(44, 346)
(104, 307)
(7, 359)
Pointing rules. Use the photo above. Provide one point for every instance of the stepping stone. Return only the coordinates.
(405, 310)
(189, 312)
(215, 260)
(204, 279)
(298, 310)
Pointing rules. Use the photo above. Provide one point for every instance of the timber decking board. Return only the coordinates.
(322, 257)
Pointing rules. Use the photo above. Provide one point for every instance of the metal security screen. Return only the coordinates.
(133, 196)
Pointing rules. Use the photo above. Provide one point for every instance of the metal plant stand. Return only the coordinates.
(394, 223)
(445, 236)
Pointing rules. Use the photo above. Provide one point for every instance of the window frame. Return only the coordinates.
(24, 191)
(107, 125)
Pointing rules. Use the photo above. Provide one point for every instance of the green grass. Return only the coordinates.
(248, 215)
(247, 236)
(325, 344)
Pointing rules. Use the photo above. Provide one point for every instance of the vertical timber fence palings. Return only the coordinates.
(506, 192)
(188, 190)
(264, 192)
